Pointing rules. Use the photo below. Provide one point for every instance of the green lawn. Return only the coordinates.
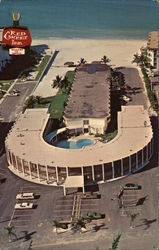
(110, 136)
(7, 81)
(42, 66)
(56, 108)
(56, 103)
(4, 88)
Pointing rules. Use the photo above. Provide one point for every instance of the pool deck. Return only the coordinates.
(26, 140)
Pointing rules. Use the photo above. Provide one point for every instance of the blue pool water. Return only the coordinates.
(75, 144)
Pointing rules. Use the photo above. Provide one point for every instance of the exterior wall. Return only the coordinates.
(56, 175)
(154, 58)
(95, 126)
(151, 52)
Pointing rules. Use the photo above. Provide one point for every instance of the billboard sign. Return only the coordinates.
(16, 51)
(16, 37)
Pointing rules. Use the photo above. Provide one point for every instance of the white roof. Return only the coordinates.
(26, 140)
(74, 181)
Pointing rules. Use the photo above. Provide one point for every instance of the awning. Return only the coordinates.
(74, 182)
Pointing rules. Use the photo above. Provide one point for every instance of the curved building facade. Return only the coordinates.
(32, 158)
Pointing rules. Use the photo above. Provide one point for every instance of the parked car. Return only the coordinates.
(125, 98)
(24, 205)
(25, 196)
(91, 216)
(131, 186)
(2, 180)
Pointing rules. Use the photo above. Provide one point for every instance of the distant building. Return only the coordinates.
(88, 106)
(153, 48)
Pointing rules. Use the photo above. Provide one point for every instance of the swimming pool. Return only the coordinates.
(75, 144)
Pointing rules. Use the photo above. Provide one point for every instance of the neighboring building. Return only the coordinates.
(153, 48)
(88, 106)
(32, 158)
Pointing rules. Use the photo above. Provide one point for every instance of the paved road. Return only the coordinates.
(137, 91)
(12, 105)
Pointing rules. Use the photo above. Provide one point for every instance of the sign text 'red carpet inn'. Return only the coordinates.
(19, 38)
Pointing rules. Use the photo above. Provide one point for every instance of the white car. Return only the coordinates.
(125, 98)
(25, 196)
(23, 205)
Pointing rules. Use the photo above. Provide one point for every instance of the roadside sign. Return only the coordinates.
(16, 51)
(18, 37)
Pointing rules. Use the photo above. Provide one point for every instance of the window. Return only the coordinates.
(85, 122)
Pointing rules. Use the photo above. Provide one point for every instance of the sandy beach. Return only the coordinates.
(120, 53)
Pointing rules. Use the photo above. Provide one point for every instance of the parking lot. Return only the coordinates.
(21, 218)
(136, 91)
(65, 205)
(130, 201)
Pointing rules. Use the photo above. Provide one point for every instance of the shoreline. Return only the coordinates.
(89, 38)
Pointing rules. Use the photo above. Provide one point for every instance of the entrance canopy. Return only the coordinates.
(73, 182)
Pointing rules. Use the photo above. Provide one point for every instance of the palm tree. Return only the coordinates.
(143, 60)
(56, 224)
(82, 61)
(29, 103)
(136, 59)
(105, 59)
(38, 99)
(10, 232)
(115, 242)
(116, 79)
(78, 224)
(64, 83)
(57, 82)
(133, 216)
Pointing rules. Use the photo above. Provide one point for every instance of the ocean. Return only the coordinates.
(110, 19)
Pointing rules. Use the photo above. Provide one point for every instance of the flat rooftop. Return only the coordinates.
(25, 140)
(153, 40)
(90, 94)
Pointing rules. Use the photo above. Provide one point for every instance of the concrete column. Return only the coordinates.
(17, 164)
(82, 171)
(129, 164)
(7, 154)
(103, 172)
(11, 155)
(142, 157)
(136, 160)
(57, 176)
(112, 170)
(9, 158)
(38, 174)
(66, 172)
(22, 167)
(47, 174)
(147, 152)
(30, 169)
(64, 190)
(121, 167)
(93, 173)
(83, 190)
(152, 145)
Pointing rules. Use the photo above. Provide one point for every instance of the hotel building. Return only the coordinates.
(32, 158)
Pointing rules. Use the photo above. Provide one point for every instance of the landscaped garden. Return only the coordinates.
(143, 61)
(56, 104)
(4, 86)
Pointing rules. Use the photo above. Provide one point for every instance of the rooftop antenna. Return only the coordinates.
(16, 18)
